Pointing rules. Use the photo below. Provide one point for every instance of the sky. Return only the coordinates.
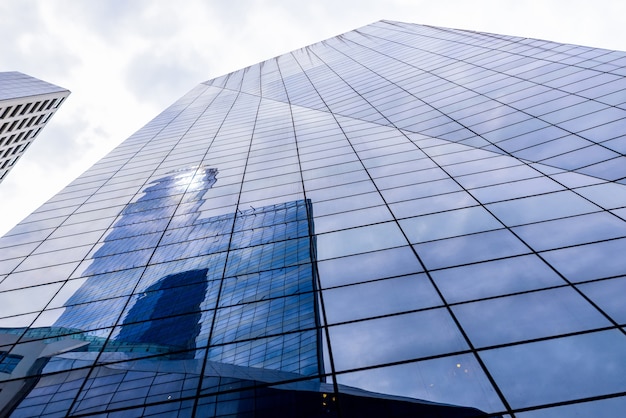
(127, 60)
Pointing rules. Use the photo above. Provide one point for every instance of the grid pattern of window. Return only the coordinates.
(418, 212)
(26, 106)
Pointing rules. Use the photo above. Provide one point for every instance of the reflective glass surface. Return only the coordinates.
(403, 218)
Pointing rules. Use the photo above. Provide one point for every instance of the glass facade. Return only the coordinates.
(402, 220)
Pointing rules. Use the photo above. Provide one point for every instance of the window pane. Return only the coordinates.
(527, 316)
(561, 369)
(495, 278)
(376, 341)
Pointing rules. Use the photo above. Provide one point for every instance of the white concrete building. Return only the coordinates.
(26, 105)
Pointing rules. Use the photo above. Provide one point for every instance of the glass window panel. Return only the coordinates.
(572, 180)
(532, 139)
(617, 98)
(26, 300)
(492, 123)
(341, 191)
(613, 169)
(351, 219)
(269, 182)
(547, 148)
(376, 341)
(453, 153)
(577, 110)
(331, 170)
(495, 278)
(54, 258)
(541, 208)
(347, 203)
(70, 241)
(37, 277)
(561, 369)
(276, 193)
(369, 266)
(18, 320)
(485, 164)
(13, 251)
(264, 172)
(388, 150)
(280, 352)
(571, 231)
(497, 176)
(617, 144)
(372, 140)
(415, 191)
(594, 119)
(336, 180)
(469, 249)
(54, 213)
(405, 167)
(581, 157)
(381, 297)
(393, 159)
(451, 131)
(538, 99)
(454, 380)
(546, 169)
(307, 150)
(608, 295)
(620, 212)
(326, 153)
(448, 224)
(358, 240)
(423, 206)
(406, 179)
(39, 228)
(324, 162)
(612, 86)
(515, 189)
(511, 131)
(591, 261)
(604, 408)
(527, 316)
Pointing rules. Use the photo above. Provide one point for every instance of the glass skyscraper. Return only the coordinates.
(403, 220)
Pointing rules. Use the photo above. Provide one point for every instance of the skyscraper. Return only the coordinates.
(26, 106)
(402, 219)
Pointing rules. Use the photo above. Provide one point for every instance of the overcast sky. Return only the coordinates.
(126, 60)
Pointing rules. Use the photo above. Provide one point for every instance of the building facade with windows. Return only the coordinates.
(26, 106)
(401, 220)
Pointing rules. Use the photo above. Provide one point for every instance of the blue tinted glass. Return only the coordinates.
(577, 360)
(469, 249)
(368, 266)
(380, 297)
(528, 316)
(363, 239)
(457, 380)
(495, 278)
(374, 341)
(541, 208)
(604, 408)
(591, 261)
(607, 295)
(572, 231)
(448, 224)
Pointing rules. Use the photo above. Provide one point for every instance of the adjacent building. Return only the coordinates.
(403, 220)
(26, 106)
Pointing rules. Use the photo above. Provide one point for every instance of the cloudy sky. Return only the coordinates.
(126, 60)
